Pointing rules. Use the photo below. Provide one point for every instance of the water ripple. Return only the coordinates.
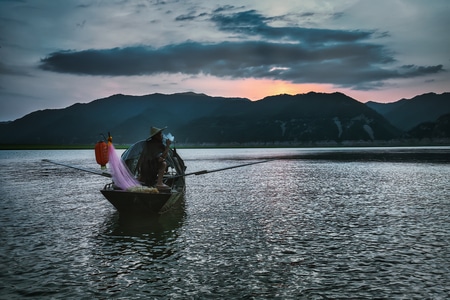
(287, 229)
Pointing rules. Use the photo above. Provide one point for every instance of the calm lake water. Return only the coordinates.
(313, 224)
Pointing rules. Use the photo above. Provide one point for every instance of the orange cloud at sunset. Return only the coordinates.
(253, 89)
(258, 89)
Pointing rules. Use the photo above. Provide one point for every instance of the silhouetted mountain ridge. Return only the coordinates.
(408, 113)
(198, 118)
(287, 118)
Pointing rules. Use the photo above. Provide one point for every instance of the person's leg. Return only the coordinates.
(161, 170)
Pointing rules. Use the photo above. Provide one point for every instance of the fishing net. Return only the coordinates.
(122, 177)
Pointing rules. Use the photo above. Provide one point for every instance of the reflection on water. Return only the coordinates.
(316, 224)
(142, 225)
(133, 252)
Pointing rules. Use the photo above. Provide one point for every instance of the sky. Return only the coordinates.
(57, 53)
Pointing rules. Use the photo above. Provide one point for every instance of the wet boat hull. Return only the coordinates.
(143, 203)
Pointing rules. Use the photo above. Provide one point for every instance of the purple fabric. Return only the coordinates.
(121, 176)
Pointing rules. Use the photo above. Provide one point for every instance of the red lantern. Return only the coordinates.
(101, 154)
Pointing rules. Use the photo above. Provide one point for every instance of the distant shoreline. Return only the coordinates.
(54, 147)
(310, 144)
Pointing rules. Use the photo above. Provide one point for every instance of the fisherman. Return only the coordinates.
(152, 163)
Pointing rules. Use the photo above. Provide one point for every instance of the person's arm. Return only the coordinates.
(166, 150)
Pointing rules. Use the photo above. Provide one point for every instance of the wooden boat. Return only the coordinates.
(145, 200)
(148, 201)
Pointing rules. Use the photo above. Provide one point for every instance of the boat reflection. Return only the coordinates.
(140, 225)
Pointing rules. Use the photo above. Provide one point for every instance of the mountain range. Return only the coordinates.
(201, 119)
(405, 114)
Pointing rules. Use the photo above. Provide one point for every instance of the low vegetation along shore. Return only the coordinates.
(310, 144)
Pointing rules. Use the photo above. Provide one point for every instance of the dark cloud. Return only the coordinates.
(413, 70)
(307, 14)
(352, 65)
(251, 23)
(225, 8)
(190, 16)
(295, 54)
